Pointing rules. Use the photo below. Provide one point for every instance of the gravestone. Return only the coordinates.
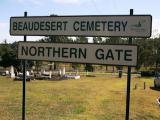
(50, 74)
(27, 73)
(63, 71)
(12, 72)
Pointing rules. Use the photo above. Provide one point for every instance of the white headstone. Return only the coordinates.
(7, 72)
(33, 67)
(44, 71)
(60, 72)
(87, 72)
(77, 77)
(27, 73)
(32, 72)
(50, 74)
(63, 71)
(76, 72)
(12, 72)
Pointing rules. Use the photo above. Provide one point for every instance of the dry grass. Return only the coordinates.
(90, 98)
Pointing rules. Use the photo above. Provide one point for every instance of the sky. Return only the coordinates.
(10, 8)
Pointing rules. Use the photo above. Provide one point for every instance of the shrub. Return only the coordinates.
(89, 68)
(147, 73)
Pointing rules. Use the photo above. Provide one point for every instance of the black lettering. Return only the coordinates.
(56, 52)
(32, 51)
(65, 52)
(97, 25)
(25, 26)
(73, 52)
(20, 26)
(110, 25)
(41, 51)
(76, 26)
(14, 26)
(119, 53)
(47, 24)
(83, 23)
(53, 26)
(59, 25)
(24, 50)
(48, 50)
(100, 54)
(109, 54)
(36, 25)
(65, 24)
(127, 55)
(124, 24)
(42, 26)
(30, 26)
(82, 53)
(90, 26)
(104, 24)
(117, 26)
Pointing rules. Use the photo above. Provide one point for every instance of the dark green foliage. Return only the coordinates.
(148, 73)
(97, 40)
(75, 66)
(8, 55)
(81, 40)
(89, 68)
(8, 59)
(148, 52)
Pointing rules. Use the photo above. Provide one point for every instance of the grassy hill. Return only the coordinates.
(90, 98)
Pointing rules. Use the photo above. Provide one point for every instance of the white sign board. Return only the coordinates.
(114, 25)
(79, 53)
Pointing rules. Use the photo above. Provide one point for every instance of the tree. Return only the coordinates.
(157, 51)
(81, 40)
(97, 40)
(8, 55)
(37, 64)
(146, 52)
(8, 59)
(114, 40)
(75, 66)
(89, 67)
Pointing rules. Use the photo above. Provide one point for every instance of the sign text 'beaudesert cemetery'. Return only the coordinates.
(113, 25)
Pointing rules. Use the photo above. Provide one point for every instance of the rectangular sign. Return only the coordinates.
(79, 53)
(113, 25)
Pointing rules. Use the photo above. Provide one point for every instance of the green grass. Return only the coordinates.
(90, 98)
